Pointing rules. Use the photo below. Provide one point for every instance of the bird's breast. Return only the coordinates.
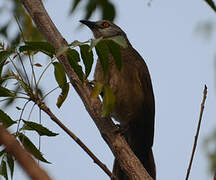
(126, 86)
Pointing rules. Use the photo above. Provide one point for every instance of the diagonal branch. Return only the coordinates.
(211, 4)
(127, 160)
(44, 108)
(22, 156)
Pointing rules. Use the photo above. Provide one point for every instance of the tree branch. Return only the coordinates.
(23, 157)
(44, 108)
(211, 4)
(197, 132)
(127, 160)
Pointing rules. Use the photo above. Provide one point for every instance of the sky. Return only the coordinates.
(181, 61)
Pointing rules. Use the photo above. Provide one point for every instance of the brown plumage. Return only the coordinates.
(135, 107)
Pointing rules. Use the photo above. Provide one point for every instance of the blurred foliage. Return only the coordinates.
(16, 12)
(210, 149)
(206, 29)
(105, 6)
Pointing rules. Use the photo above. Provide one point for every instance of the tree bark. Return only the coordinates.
(127, 160)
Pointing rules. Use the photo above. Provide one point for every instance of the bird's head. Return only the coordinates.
(103, 28)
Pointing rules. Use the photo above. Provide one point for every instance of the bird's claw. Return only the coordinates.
(121, 129)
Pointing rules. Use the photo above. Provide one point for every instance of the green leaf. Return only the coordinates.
(63, 95)
(3, 57)
(41, 130)
(102, 52)
(73, 58)
(44, 47)
(73, 53)
(115, 50)
(61, 79)
(27, 88)
(10, 162)
(3, 169)
(94, 42)
(15, 41)
(59, 74)
(98, 87)
(4, 92)
(3, 30)
(108, 101)
(87, 57)
(2, 152)
(5, 119)
(30, 147)
(108, 11)
(120, 40)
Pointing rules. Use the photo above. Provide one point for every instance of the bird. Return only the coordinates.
(135, 103)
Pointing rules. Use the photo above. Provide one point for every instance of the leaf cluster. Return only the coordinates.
(30, 32)
(79, 55)
(6, 159)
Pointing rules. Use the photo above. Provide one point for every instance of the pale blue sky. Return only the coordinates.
(180, 63)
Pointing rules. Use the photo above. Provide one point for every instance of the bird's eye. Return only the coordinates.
(106, 25)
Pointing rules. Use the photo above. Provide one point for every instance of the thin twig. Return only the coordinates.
(16, 97)
(30, 113)
(20, 27)
(41, 75)
(20, 58)
(197, 132)
(44, 108)
(33, 77)
(23, 67)
(29, 56)
(21, 114)
(39, 146)
(51, 92)
(15, 67)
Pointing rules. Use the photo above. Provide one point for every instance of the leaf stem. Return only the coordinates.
(41, 75)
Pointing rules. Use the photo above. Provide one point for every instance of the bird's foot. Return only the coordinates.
(122, 129)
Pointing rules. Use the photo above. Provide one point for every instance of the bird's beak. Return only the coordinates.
(90, 24)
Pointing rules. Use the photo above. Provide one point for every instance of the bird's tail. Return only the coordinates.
(139, 136)
(147, 161)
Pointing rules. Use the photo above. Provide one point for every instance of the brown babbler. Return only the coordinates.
(135, 105)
